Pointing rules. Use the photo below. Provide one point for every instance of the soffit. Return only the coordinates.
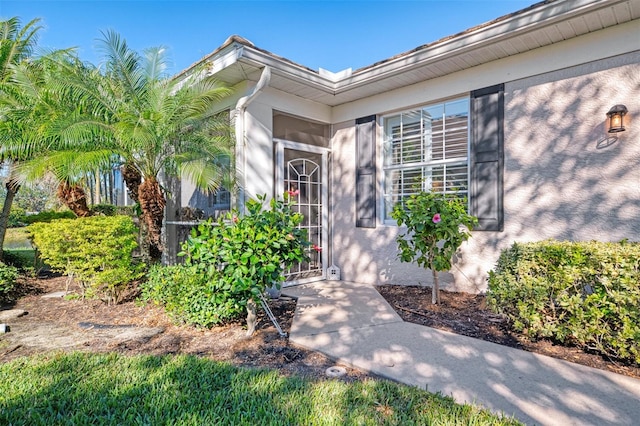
(540, 25)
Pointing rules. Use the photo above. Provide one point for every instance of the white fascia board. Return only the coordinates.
(226, 59)
(606, 43)
(518, 25)
(287, 69)
(221, 60)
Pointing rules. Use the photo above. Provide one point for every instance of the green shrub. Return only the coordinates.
(190, 297)
(8, 277)
(229, 263)
(95, 250)
(133, 211)
(17, 217)
(48, 216)
(25, 260)
(248, 253)
(585, 294)
(104, 209)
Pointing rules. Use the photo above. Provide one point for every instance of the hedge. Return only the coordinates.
(95, 250)
(577, 293)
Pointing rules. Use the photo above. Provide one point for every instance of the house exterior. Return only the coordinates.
(511, 114)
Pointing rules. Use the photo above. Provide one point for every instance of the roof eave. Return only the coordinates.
(507, 27)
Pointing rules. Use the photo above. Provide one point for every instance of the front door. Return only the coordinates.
(302, 170)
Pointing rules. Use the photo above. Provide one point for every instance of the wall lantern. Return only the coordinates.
(615, 115)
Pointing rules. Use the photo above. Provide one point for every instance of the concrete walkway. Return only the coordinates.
(353, 324)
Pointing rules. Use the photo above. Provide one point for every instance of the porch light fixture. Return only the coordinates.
(616, 121)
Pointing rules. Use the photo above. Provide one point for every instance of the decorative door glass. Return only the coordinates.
(303, 180)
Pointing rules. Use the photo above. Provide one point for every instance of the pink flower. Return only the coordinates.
(436, 218)
(293, 193)
(235, 219)
(317, 248)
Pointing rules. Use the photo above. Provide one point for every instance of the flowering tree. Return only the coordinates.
(436, 227)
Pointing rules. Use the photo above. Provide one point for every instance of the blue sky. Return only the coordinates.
(330, 34)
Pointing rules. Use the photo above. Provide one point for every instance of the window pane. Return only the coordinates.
(459, 107)
(457, 128)
(392, 127)
(426, 149)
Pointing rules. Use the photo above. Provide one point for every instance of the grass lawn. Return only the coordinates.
(17, 238)
(18, 249)
(95, 389)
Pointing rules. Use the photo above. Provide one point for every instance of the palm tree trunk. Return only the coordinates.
(133, 179)
(12, 190)
(74, 197)
(152, 204)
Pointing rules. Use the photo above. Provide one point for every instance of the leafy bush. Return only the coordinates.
(95, 250)
(133, 211)
(25, 260)
(48, 216)
(229, 263)
(436, 227)
(190, 297)
(585, 294)
(104, 209)
(8, 277)
(17, 217)
(249, 253)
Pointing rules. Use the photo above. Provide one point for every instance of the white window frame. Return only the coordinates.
(386, 168)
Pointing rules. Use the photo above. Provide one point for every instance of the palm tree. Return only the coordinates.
(16, 46)
(33, 109)
(156, 125)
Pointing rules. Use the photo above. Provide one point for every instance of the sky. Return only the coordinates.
(330, 34)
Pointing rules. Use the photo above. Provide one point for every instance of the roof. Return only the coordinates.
(544, 23)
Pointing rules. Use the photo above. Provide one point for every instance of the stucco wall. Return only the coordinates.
(258, 149)
(256, 155)
(362, 254)
(565, 177)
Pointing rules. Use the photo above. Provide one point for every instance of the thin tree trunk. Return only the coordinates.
(105, 187)
(435, 288)
(152, 204)
(251, 317)
(111, 191)
(12, 190)
(96, 187)
(74, 197)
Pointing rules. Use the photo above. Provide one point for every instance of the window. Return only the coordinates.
(426, 149)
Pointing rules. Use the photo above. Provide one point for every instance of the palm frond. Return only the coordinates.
(206, 175)
(66, 166)
(156, 62)
(124, 65)
(16, 42)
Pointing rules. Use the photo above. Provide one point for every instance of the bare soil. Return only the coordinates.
(132, 328)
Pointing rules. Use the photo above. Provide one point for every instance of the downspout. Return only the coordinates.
(241, 108)
(330, 183)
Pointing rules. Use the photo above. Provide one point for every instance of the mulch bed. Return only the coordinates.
(264, 349)
(460, 313)
(467, 314)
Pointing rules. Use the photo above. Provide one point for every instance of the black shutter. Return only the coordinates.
(366, 172)
(487, 157)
